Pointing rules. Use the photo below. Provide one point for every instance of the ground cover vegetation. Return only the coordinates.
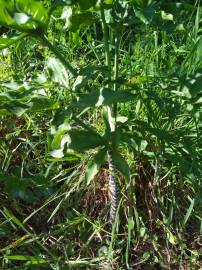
(100, 134)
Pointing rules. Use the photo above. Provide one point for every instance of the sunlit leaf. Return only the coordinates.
(166, 16)
(16, 107)
(94, 166)
(35, 104)
(32, 259)
(86, 74)
(145, 14)
(74, 20)
(73, 139)
(171, 238)
(102, 97)
(25, 16)
(57, 71)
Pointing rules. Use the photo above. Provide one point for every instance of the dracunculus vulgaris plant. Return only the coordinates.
(30, 19)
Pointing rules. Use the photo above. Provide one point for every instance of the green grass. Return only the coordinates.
(50, 217)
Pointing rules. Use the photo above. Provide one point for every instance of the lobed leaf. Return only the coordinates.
(71, 139)
(103, 97)
(82, 140)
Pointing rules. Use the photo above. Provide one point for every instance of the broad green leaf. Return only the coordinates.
(73, 20)
(40, 104)
(86, 4)
(77, 20)
(193, 85)
(114, 137)
(57, 71)
(145, 14)
(25, 16)
(14, 95)
(121, 164)
(58, 153)
(35, 104)
(94, 165)
(24, 188)
(13, 85)
(163, 21)
(25, 97)
(58, 141)
(199, 101)
(109, 119)
(103, 97)
(15, 107)
(5, 42)
(80, 82)
(122, 119)
(82, 140)
(87, 73)
(76, 140)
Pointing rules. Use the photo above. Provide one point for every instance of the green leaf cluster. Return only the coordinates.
(21, 99)
(26, 16)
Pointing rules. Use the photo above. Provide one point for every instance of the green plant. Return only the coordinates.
(164, 102)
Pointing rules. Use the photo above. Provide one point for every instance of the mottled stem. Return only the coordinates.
(115, 190)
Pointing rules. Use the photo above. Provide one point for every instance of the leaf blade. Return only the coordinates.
(103, 97)
(121, 164)
(94, 165)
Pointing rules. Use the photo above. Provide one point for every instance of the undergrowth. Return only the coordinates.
(51, 216)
